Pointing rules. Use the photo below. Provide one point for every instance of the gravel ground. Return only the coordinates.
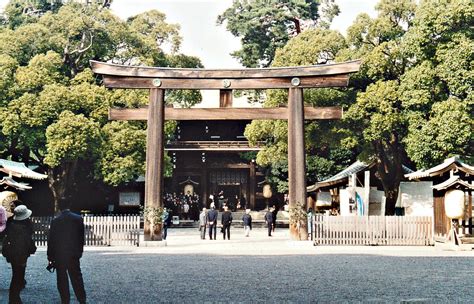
(258, 270)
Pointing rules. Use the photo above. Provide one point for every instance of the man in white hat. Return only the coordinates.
(18, 246)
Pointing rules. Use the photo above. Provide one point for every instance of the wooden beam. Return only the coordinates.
(296, 158)
(130, 82)
(154, 159)
(225, 98)
(310, 113)
(287, 72)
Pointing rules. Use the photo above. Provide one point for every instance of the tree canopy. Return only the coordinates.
(411, 103)
(54, 109)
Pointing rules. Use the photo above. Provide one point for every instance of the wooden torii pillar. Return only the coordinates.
(158, 79)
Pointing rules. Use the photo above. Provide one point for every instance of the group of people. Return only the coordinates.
(65, 248)
(208, 220)
(186, 206)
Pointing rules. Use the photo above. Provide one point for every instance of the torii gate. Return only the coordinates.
(158, 79)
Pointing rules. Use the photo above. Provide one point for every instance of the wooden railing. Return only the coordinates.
(100, 230)
(372, 230)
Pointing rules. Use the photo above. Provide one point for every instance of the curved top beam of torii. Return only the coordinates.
(196, 73)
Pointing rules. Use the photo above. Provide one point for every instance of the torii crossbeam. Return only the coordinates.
(158, 79)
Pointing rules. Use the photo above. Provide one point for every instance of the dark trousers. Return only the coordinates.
(165, 232)
(270, 227)
(71, 268)
(226, 228)
(212, 227)
(17, 283)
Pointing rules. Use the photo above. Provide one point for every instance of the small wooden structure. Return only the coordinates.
(158, 79)
(451, 174)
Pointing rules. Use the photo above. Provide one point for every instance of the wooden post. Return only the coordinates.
(204, 193)
(366, 192)
(252, 181)
(154, 160)
(296, 157)
(225, 98)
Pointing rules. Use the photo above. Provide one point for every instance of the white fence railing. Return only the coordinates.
(372, 230)
(100, 230)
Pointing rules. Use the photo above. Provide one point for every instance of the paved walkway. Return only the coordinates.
(259, 269)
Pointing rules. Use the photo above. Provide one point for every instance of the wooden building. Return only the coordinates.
(209, 154)
(451, 174)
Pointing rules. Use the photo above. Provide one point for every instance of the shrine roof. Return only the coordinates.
(344, 175)
(453, 181)
(19, 170)
(454, 163)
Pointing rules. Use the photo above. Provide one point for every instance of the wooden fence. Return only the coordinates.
(104, 230)
(372, 230)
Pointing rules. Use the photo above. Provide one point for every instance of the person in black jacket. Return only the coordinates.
(18, 245)
(212, 221)
(269, 221)
(226, 221)
(65, 247)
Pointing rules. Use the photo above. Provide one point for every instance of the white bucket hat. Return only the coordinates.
(21, 213)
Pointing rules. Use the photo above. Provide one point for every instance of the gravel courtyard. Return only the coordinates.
(258, 269)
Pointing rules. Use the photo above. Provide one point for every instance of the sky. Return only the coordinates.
(203, 38)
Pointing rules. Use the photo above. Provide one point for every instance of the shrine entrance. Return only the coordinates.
(158, 79)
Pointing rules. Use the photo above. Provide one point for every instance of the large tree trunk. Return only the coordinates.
(61, 181)
(390, 171)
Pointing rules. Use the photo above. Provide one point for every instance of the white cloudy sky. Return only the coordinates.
(212, 43)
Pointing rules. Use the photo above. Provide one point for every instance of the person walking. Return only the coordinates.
(269, 221)
(226, 221)
(65, 248)
(274, 219)
(166, 219)
(247, 221)
(18, 245)
(203, 223)
(212, 220)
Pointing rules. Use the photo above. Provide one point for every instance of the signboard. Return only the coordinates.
(129, 199)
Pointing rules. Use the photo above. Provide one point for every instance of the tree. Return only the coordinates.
(416, 60)
(53, 108)
(324, 156)
(265, 26)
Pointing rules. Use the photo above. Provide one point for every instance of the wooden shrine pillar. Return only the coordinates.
(154, 160)
(204, 193)
(296, 158)
(225, 98)
(252, 182)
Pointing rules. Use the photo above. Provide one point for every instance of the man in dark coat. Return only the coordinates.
(18, 245)
(269, 221)
(65, 247)
(226, 221)
(212, 221)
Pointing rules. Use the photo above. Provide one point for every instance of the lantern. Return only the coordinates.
(267, 191)
(454, 204)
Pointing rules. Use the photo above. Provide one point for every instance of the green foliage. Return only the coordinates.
(448, 132)
(266, 25)
(53, 108)
(70, 138)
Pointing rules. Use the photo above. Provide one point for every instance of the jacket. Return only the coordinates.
(212, 216)
(18, 243)
(202, 219)
(66, 237)
(269, 217)
(247, 220)
(226, 218)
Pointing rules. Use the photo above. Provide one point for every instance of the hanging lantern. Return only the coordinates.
(454, 204)
(267, 191)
